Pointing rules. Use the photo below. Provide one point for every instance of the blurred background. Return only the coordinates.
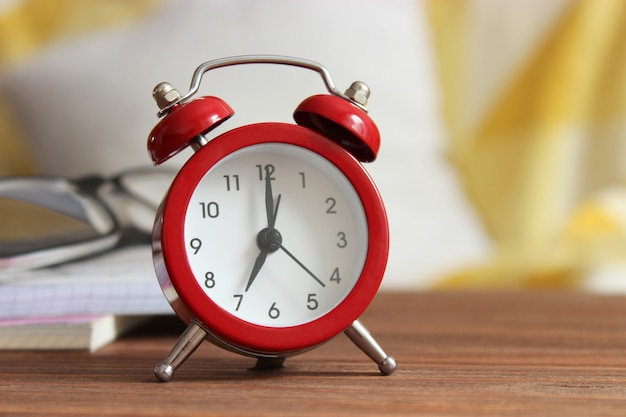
(503, 123)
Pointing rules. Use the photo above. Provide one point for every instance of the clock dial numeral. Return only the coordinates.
(343, 242)
(273, 312)
(335, 276)
(232, 182)
(239, 298)
(195, 244)
(303, 179)
(331, 203)
(312, 303)
(211, 209)
(266, 171)
(209, 280)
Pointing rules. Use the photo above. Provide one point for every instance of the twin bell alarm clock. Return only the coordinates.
(272, 238)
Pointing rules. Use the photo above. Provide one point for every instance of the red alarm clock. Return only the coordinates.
(272, 238)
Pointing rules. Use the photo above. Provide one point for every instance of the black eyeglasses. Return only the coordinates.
(102, 214)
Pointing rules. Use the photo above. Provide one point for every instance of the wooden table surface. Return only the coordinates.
(459, 354)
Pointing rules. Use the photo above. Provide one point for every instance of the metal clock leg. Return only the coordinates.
(187, 343)
(364, 340)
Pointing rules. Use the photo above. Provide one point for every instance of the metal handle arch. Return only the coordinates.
(257, 59)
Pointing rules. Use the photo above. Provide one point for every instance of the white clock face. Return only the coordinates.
(275, 235)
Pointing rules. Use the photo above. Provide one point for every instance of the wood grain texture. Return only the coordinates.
(459, 354)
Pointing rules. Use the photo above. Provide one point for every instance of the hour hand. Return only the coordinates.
(260, 260)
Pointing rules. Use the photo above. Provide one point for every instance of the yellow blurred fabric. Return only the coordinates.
(30, 25)
(536, 116)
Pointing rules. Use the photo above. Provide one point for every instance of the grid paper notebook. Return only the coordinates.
(121, 282)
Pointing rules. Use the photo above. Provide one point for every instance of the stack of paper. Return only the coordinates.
(75, 332)
(83, 304)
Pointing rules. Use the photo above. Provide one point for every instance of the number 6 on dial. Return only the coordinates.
(272, 238)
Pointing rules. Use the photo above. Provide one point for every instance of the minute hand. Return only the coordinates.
(269, 202)
(308, 271)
